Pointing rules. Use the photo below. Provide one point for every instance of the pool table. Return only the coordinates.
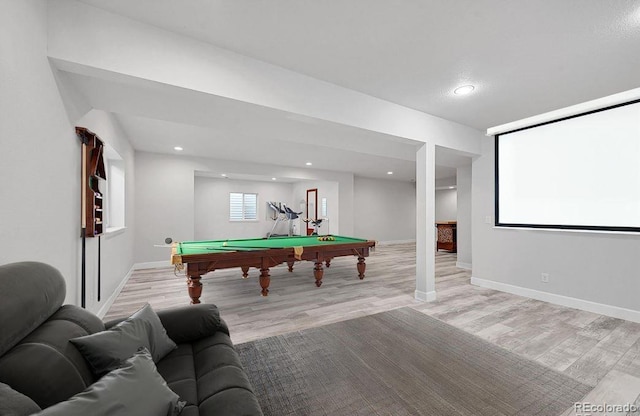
(202, 257)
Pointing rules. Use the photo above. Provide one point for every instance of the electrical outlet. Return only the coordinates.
(544, 277)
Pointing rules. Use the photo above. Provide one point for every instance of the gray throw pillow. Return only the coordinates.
(136, 388)
(159, 341)
(105, 350)
(14, 403)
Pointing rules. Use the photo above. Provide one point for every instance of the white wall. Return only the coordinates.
(595, 269)
(386, 209)
(117, 247)
(446, 205)
(164, 204)
(448, 181)
(212, 208)
(326, 189)
(165, 196)
(464, 209)
(40, 166)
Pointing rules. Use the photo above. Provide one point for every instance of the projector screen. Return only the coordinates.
(580, 172)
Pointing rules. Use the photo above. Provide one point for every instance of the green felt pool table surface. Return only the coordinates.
(251, 244)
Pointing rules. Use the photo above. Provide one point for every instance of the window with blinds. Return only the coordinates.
(243, 207)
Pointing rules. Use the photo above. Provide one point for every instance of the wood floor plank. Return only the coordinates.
(617, 388)
(630, 361)
(594, 365)
(563, 355)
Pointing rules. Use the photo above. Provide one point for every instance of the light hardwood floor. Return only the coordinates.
(600, 351)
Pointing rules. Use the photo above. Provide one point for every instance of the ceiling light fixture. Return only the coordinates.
(273, 179)
(389, 173)
(464, 90)
(308, 163)
(224, 175)
(178, 148)
(452, 187)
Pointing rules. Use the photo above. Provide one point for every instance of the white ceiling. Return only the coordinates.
(156, 118)
(525, 58)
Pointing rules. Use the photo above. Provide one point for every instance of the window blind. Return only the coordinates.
(243, 206)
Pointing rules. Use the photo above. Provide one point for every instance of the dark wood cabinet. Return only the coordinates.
(447, 236)
(93, 172)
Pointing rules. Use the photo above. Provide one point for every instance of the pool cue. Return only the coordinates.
(83, 217)
(232, 248)
(227, 248)
(84, 267)
(245, 248)
(99, 267)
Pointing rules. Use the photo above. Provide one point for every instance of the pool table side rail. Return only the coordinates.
(243, 257)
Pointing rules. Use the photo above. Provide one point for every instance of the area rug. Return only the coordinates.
(400, 362)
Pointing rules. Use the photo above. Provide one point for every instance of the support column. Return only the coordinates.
(463, 185)
(425, 223)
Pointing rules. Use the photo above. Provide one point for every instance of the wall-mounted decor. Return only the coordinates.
(92, 201)
(312, 209)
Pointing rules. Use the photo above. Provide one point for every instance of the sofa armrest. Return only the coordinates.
(223, 327)
(190, 323)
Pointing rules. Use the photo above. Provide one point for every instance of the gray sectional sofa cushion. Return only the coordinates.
(105, 350)
(135, 388)
(38, 360)
(208, 375)
(13, 403)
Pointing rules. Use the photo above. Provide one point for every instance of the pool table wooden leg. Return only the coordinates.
(265, 280)
(290, 263)
(195, 289)
(318, 272)
(245, 271)
(361, 267)
(327, 262)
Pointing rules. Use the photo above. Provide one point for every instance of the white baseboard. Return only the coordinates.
(151, 265)
(107, 304)
(425, 296)
(384, 243)
(462, 265)
(585, 305)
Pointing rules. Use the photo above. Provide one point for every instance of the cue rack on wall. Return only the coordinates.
(92, 211)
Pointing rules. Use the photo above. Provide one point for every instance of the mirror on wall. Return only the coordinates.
(312, 209)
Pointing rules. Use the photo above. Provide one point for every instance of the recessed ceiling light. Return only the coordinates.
(308, 163)
(224, 175)
(389, 173)
(452, 187)
(464, 90)
(273, 179)
(178, 148)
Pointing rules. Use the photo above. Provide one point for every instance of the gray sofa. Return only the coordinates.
(38, 361)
